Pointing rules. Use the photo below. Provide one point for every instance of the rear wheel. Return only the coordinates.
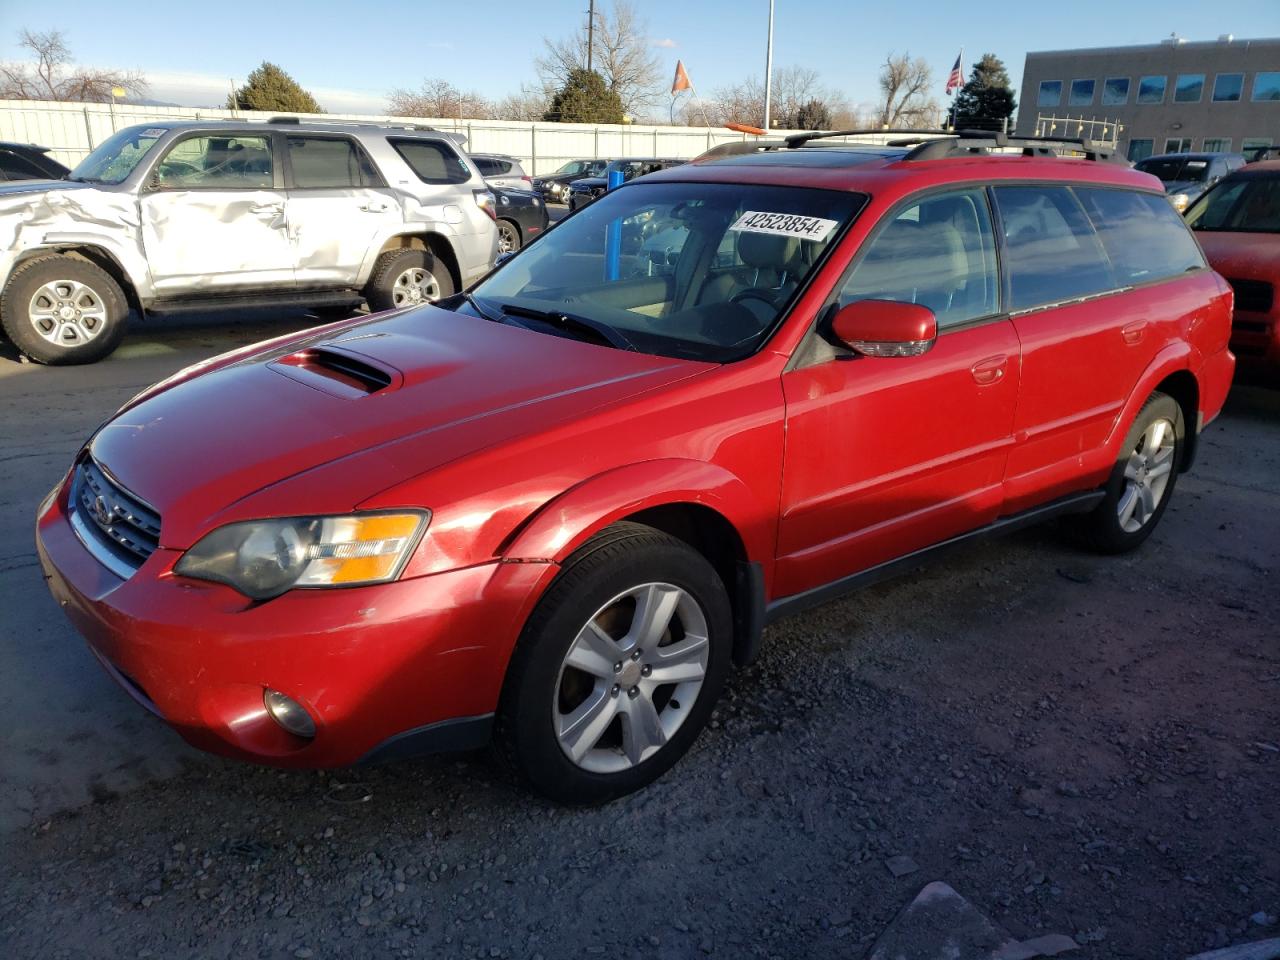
(618, 668)
(508, 237)
(407, 278)
(63, 310)
(1142, 481)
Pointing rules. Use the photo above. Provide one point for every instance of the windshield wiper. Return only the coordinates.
(475, 305)
(572, 324)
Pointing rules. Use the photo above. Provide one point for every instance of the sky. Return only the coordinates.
(350, 63)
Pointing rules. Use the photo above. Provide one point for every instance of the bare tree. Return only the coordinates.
(796, 90)
(621, 53)
(439, 98)
(904, 85)
(528, 104)
(53, 76)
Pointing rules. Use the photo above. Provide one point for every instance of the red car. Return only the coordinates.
(555, 511)
(1238, 225)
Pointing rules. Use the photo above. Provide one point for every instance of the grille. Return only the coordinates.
(115, 525)
(1256, 296)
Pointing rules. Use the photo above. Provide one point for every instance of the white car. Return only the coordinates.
(500, 170)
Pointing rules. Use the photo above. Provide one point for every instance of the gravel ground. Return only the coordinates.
(1077, 744)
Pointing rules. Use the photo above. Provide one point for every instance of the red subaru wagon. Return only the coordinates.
(553, 512)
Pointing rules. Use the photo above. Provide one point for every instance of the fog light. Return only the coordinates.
(289, 714)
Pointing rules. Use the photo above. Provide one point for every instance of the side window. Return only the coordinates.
(939, 252)
(217, 162)
(14, 167)
(432, 161)
(1142, 234)
(1051, 251)
(319, 162)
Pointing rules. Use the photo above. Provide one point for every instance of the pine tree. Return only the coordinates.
(812, 115)
(585, 98)
(986, 101)
(270, 88)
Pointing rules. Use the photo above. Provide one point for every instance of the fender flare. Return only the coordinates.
(1173, 358)
(137, 285)
(412, 231)
(564, 523)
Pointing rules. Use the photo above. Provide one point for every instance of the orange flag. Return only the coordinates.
(681, 81)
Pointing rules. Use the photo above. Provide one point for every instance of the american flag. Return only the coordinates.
(956, 79)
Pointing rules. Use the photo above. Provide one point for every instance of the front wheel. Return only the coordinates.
(618, 668)
(1142, 481)
(63, 310)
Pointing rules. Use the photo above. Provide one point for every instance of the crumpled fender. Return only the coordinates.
(563, 524)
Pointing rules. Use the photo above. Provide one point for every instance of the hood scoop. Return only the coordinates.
(338, 372)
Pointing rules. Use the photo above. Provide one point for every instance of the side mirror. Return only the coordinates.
(885, 328)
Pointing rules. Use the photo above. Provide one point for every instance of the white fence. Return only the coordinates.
(71, 130)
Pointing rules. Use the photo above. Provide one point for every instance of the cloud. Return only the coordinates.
(666, 43)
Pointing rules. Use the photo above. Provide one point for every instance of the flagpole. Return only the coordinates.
(954, 98)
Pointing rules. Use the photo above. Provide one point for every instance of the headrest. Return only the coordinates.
(766, 251)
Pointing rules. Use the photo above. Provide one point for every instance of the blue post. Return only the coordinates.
(613, 237)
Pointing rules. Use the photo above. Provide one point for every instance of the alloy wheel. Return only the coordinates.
(67, 312)
(507, 241)
(630, 677)
(416, 285)
(1147, 475)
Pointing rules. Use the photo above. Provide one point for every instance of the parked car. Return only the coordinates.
(554, 511)
(1187, 175)
(180, 215)
(522, 216)
(1238, 225)
(500, 170)
(26, 161)
(556, 186)
(585, 189)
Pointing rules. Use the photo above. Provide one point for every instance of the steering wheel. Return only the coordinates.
(176, 170)
(753, 294)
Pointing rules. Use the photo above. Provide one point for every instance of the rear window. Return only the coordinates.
(492, 167)
(1175, 169)
(432, 161)
(1142, 234)
(1052, 251)
(320, 162)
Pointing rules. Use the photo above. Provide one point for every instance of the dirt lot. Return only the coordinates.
(1077, 744)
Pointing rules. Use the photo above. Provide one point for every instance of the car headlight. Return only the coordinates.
(1180, 201)
(265, 558)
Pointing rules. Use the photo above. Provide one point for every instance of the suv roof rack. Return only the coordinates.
(936, 144)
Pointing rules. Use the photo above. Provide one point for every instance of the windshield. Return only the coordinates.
(694, 270)
(579, 167)
(116, 157)
(1247, 205)
(1175, 169)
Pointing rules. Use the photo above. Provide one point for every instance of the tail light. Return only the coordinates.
(487, 202)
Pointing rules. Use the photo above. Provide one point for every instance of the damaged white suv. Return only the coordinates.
(206, 214)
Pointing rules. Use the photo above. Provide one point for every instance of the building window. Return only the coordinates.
(1189, 88)
(1228, 87)
(1139, 150)
(1115, 91)
(1217, 144)
(1151, 89)
(1081, 93)
(1177, 145)
(1051, 93)
(1256, 148)
(1266, 86)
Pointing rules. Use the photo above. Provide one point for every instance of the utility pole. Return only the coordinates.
(768, 70)
(591, 31)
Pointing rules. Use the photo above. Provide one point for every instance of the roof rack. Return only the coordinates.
(936, 144)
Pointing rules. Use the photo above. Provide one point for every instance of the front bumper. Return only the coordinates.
(381, 669)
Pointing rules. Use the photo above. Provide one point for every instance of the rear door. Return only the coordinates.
(339, 208)
(213, 216)
(888, 455)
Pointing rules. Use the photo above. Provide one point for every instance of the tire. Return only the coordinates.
(607, 582)
(509, 240)
(1142, 483)
(406, 278)
(63, 310)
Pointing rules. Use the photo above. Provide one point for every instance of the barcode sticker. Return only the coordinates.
(785, 225)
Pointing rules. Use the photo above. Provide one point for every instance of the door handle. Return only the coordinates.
(375, 206)
(273, 208)
(1134, 332)
(990, 370)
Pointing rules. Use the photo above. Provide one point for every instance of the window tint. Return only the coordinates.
(939, 253)
(217, 162)
(1051, 251)
(1151, 89)
(327, 162)
(1142, 234)
(1228, 86)
(1248, 205)
(1050, 93)
(1081, 93)
(14, 167)
(491, 166)
(1266, 86)
(1115, 91)
(432, 161)
(1189, 88)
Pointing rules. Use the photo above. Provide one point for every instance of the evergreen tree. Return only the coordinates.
(812, 115)
(270, 88)
(986, 101)
(585, 98)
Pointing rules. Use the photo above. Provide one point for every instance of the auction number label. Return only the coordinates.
(785, 225)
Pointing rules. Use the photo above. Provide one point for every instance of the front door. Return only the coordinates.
(339, 209)
(213, 217)
(888, 455)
